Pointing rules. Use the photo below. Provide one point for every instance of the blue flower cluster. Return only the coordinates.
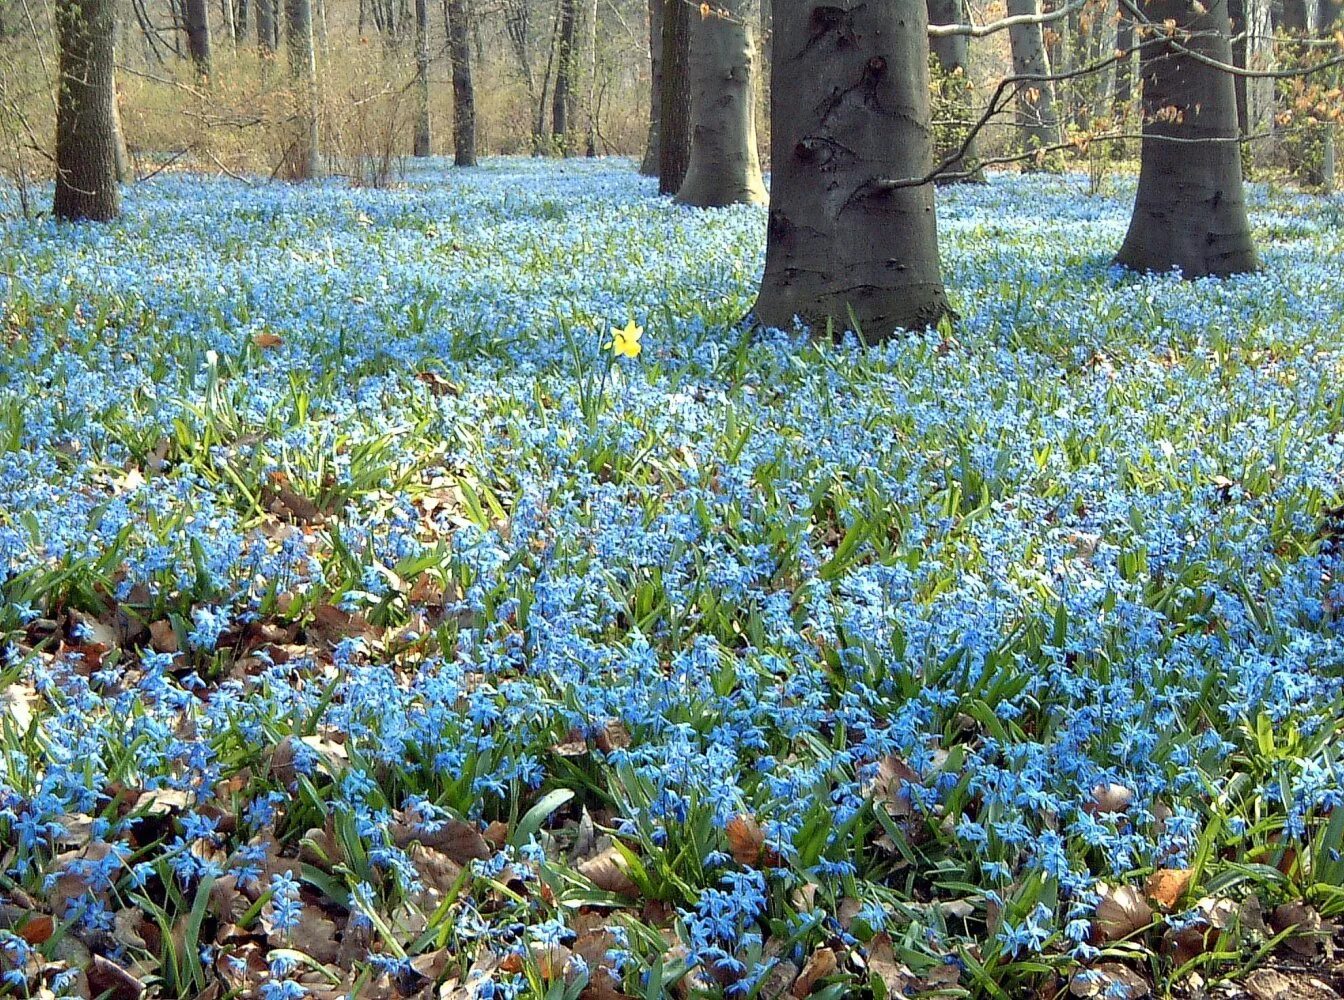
(367, 623)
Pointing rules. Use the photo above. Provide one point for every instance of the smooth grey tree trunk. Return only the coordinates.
(197, 13)
(1036, 113)
(464, 94)
(952, 54)
(301, 156)
(674, 118)
(241, 16)
(422, 133)
(86, 112)
(849, 110)
(230, 25)
(725, 167)
(649, 166)
(1190, 210)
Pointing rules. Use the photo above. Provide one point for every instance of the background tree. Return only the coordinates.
(649, 165)
(952, 84)
(849, 111)
(197, 14)
(86, 112)
(724, 167)
(301, 154)
(562, 98)
(1190, 209)
(422, 132)
(464, 93)
(674, 115)
(266, 27)
(1036, 113)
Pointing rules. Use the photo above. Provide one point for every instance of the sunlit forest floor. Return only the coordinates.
(369, 628)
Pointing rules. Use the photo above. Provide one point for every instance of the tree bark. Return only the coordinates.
(1036, 114)
(464, 93)
(197, 14)
(422, 134)
(674, 116)
(241, 16)
(301, 157)
(1124, 65)
(562, 97)
(230, 24)
(266, 27)
(1190, 210)
(86, 112)
(649, 166)
(849, 109)
(724, 167)
(952, 53)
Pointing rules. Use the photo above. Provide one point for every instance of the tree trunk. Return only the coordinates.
(1036, 115)
(421, 145)
(724, 167)
(230, 26)
(86, 112)
(1124, 65)
(1190, 211)
(590, 145)
(301, 155)
(561, 98)
(849, 110)
(674, 116)
(649, 167)
(464, 94)
(197, 14)
(953, 57)
(266, 26)
(241, 16)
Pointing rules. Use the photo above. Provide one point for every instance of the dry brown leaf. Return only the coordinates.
(895, 975)
(1167, 886)
(607, 872)
(1109, 980)
(820, 965)
(746, 840)
(266, 339)
(1109, 798)
(111, 981)
(1272, 984)
(1121, 912)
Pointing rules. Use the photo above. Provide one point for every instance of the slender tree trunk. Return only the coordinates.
(230, 26)
(564, 79)
(197, 14)
(953, 57)
(674, 118)
(241, 17)
(590, 103)
(266, 27)
(850, 110)
(301, 157)
(724, 167)
(421, 146)
(649, 166)
(1036, 114)
(122, 155)
(86, 112)
(464, 94)
(1124, 66)
(1190, 211)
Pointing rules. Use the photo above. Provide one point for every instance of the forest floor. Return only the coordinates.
(369, 628)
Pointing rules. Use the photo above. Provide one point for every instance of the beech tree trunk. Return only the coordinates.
(422, 135)
(849, 111)
(86, 112)
(725, 167)
(1190, 210)
(240, 19)
(674, 117)
(953, 57)
(1036, 113)
(301, 161)
(197, 15)
(266, 27)
(649, 166)
(561, 97)
(464, 94)
(1124, 65)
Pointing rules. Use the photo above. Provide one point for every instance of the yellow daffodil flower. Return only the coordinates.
(626, 340)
